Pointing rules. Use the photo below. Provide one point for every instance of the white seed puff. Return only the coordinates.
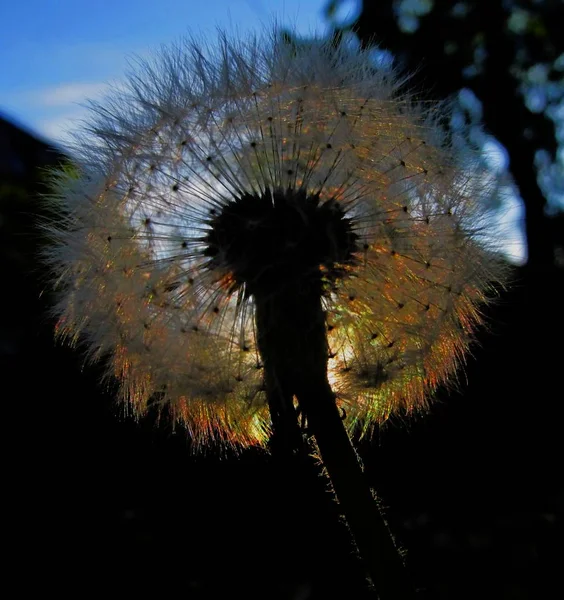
(197, 127)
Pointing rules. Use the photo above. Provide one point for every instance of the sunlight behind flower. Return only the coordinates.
(225, 174)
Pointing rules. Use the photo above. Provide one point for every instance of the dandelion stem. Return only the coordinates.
(369, 530)
(292, 340)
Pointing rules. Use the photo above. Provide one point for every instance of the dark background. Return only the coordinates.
(473, 491)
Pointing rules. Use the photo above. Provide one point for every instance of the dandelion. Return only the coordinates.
(257, 232)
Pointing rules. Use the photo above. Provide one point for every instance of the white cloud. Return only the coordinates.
(59, 128)
(56, 110)
(68, 93)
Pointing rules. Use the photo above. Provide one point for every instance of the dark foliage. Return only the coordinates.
(490, 49)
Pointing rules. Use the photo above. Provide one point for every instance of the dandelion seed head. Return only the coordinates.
(222, 174)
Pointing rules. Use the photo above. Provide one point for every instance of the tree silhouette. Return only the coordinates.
(509, 54)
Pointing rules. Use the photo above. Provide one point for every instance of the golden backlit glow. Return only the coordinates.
(135, 284)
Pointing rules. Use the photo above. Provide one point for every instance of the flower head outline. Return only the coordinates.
(206, 151)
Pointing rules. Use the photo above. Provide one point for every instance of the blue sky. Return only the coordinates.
(54, 54)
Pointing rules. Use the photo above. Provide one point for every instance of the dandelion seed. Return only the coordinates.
(228, 187)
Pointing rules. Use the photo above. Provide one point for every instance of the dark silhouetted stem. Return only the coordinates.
(367, 525)
(292, 340)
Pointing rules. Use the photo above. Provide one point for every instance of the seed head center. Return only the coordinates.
(268, 241)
